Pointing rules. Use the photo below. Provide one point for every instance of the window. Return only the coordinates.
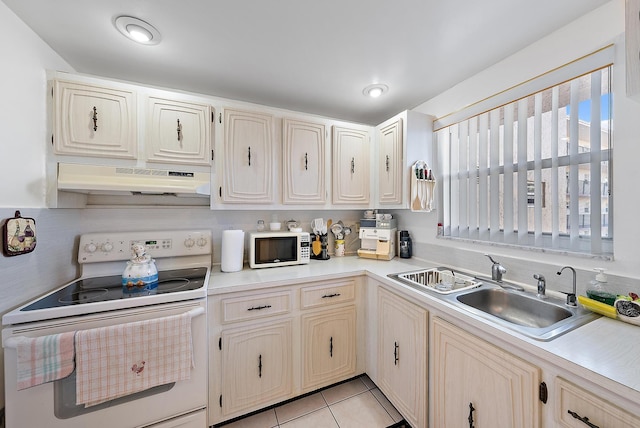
(533, 172)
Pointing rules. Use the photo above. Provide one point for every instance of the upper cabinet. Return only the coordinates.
(304, 153)
(178, 132)
(390, 163)
(94, 120)
(248, 153)
(351, 179)
(400, 142)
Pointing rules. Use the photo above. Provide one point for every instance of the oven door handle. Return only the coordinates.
(12, 342)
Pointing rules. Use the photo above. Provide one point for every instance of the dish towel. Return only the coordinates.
(115, 361)
(44, 359)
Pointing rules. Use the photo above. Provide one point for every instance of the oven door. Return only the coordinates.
(52, 404)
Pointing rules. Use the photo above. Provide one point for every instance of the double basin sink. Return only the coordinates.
(500, 303)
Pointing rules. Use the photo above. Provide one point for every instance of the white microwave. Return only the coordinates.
(270, 249)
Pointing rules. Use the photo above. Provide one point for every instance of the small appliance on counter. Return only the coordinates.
(378, 237)
(406, 247)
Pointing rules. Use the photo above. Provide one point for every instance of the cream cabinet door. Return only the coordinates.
(577, 408)
(390, 161)
(304, 178)
(480, 384)
(351, 179)
(248, 157)
(178, 132)
(256, 367)
(329, 347)
(94, 120)
(402, 356)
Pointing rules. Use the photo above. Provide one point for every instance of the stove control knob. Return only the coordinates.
(90, 248)
(107, 247)
(201, 242)
(189, 242)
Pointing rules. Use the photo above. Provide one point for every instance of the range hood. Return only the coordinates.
(118, 180)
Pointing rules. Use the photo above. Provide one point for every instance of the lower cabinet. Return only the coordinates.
(577, 408)
(329, 347)
(257, 366)
(267, 346)
(402, 356)
(478, 384)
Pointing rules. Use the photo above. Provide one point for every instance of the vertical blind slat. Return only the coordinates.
(473, 180)
(483, 194)
(455, 181)
(596, 149)
(508, 174)
(537, 171)
(523, 222)
(463, 140)
(573, 169)
(444, 163)
(555, 195)
(494, 174)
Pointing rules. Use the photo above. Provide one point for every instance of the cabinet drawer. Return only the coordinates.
(327, 294)
(255, 306)
(573, 400)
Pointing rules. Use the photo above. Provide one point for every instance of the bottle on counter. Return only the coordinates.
(596, 288)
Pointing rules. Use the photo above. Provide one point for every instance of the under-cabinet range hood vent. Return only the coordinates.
(127, 181)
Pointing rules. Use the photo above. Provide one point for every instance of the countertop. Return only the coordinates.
(606, 348)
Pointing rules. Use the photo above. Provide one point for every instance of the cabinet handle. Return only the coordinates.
(470, 419)
(258, 308)
(331, 347)
(249, 155)
(396, 357)
(386, 162)
(584, 420)
(260, 365)
(353, 165)
(95, 118)
(330, 295)
(179, 129)
(306, 162)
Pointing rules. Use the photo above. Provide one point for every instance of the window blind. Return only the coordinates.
(534, 171)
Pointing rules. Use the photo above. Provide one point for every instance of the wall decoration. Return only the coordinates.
(18, 235)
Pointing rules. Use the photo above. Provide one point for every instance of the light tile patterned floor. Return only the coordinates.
(354, 404)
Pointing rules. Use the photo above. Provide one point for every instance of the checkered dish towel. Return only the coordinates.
(115, 361)
(44, 359)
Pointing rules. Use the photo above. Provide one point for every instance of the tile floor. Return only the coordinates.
(357, 403)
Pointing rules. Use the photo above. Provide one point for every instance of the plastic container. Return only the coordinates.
(596, 288)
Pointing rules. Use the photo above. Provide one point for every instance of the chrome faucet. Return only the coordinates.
(497, 270)
(571, 297)
(542, 286)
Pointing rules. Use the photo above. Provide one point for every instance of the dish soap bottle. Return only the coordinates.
(596, 291)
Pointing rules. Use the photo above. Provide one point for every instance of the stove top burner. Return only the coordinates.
(104, 288)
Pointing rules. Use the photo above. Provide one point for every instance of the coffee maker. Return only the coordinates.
(378, 238)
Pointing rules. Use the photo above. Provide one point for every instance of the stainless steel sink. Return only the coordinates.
(523, 312)
(515, 308)
(504, 305)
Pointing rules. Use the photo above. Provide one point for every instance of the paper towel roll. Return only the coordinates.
(232, 250)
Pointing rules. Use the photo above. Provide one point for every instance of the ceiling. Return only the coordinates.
(309, 56)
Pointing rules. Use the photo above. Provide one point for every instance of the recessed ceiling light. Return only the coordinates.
(137, 30)
(375, 90)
